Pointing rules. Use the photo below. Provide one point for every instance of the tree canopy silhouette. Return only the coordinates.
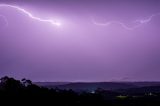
(28, 92)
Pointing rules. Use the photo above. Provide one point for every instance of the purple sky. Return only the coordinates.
(98, 40)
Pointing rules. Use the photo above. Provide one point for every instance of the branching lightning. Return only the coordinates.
(53, 22)
(137, 22)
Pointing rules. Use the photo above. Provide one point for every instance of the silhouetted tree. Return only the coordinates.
(10, 84)
(26, 82)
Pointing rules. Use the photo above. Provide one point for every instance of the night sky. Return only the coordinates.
(80, 40)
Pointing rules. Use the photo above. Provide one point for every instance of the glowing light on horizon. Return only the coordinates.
(138, 23)
(53, 22)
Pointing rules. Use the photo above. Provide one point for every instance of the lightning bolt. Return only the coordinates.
(143, 21)
(138, 23)
(114, 22)
(53, 22)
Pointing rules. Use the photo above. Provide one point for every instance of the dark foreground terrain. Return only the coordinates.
(25, 92)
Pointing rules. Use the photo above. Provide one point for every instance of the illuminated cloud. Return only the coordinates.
(4, 19)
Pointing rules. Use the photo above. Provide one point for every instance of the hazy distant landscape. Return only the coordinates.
(92, 86)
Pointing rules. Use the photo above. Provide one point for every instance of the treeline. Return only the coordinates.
(25, 91)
